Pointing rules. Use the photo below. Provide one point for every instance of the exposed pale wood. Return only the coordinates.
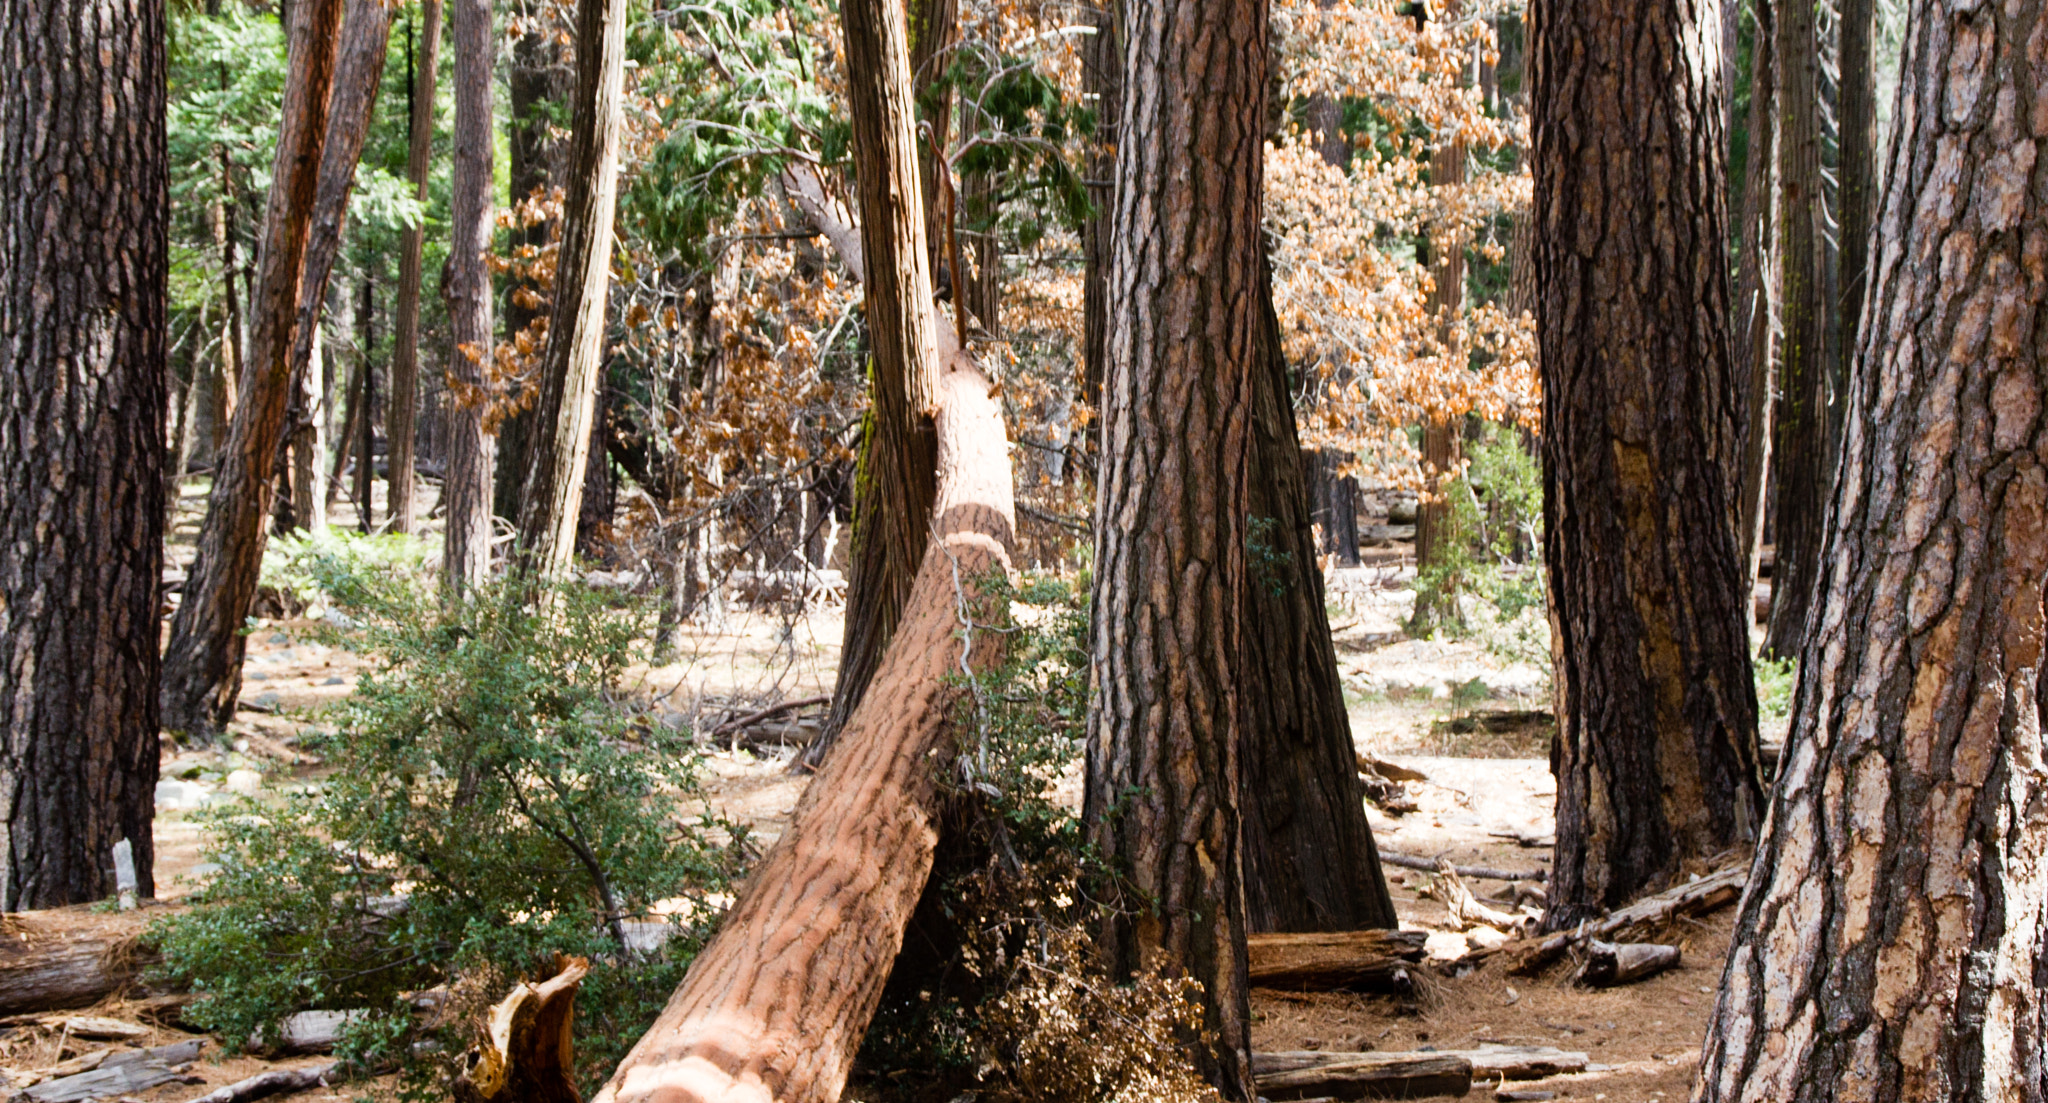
(48, 964)
(527, 1054)
(1612, 963)
(1710, 893)
(91, 1027)
(1371, 960)
(1466, 908)
(1367, 1076)
(266, 1084)
(120, 1074)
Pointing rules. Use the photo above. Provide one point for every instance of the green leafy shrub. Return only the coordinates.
(295, 563)
(1776, 680)
(1494, 553)
(493, 802)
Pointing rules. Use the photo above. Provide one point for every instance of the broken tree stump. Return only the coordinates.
(1371, 961)
(527, 1055)
(776, 1005)
(1303, 1076)
(65, 958)
(1614, 963)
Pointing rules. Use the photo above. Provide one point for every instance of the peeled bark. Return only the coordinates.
(1890, 946)
(203, 661)
(574, 359)
(83, 346)
(466, 489)
(1799, 452)
(1170, 715)
(777, 1004)
(893, 490)
(402, 420)
(1656, 752)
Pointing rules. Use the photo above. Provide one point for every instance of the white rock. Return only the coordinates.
(245, 782)
(181, 795)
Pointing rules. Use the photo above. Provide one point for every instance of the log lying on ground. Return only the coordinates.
(123, 1074)
(263, 1085)
(775, 1006)
(1416, 861)
(527, 1055)
(1360, 1075)
(1612, 963)
(1710, 893)
(66, 958)
(1373, 961)
(1490, 1064)
(1465, 908)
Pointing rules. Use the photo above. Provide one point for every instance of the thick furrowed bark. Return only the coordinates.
(777, 1004)
(1891, 944)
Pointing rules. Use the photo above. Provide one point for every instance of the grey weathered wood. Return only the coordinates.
(43, 968)
(1710, 893)
(121, 1074)
(1489, 1063)
(266, 1084)
(1612, 963)
(1364, 1076)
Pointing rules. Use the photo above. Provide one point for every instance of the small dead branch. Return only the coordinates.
(1431, 865)
(1710, 893)
(274, 1082)
(771, 711)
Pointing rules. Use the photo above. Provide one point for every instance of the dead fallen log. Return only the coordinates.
(526, 1056)
(66, 958)
(1490, 1063)
(753, 718)
(1416, 861)
(275, 1082)
(1710, 893)
(1614, 963)
(777, 1004)
(1373, 961)
(120, 1074)
(1465, 908)
(1360, 1075)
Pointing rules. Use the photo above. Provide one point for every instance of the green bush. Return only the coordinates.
(1776, 679)
(294, 564)
(493, 801)
(1495, 553)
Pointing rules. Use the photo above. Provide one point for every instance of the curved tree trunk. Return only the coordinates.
(1799, 452)
(203, 661)
(893, 490)
(776, 1006)
(466, 488)
(82, 352)
(1890, 946)
(574, 359)
(1185, 355)
(1309, 859)
(402, 420)
(1655, 754)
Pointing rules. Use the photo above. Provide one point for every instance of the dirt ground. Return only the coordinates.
(1477, 742)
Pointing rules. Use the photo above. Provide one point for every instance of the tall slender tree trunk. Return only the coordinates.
(402, 420)
(534, 156)
(308, 437)
(1655, 754)
(1441, 450)
(466, 487)
(572, 366)
(1890, 945)
(229, 371)
(1186, 349)
(1856, 176)
(83, 196)
(203, 661)
(1102, 76)
(1309, 859)
(1799, 459)
(893, 492)
(1756, 314)
(366, 405)
(356, 412)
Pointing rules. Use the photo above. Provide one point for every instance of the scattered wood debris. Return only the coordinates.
(1710, 893)
(1613, 963)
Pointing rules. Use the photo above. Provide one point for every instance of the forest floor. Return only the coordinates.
(1458, 713)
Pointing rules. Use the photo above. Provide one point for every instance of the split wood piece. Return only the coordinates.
(1612, 963)
(1415, 861)
(1710, 893)
(127, 1073)
(1364, 1076)
(275, 1082)
(1373, 961)
(777, 1004)
(1490, 1063)
(47, 964)
(1466, 908)
(93, 1028)
(753, 718)
(528, 1053)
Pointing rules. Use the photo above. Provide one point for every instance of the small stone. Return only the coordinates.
(336, 680)
(245, 782)
(266, 700)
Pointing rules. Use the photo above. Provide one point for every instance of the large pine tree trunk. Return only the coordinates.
(574, 359)
(1309, 859)
(1756, 315)
(82, 357)
(1799, 459)
(203, 661)
(1890, 946)
(466, 486)
(402, 420)
(1185, 353)
(1655, 754)
(893, 491)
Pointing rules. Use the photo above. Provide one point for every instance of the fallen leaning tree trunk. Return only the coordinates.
(47, 963)
(1372, 961)
(777, 1004)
